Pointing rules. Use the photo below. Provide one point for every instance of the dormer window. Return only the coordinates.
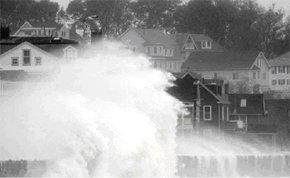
(189, 43)
(206, 44)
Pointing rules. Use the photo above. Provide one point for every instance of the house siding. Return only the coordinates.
(47, 61)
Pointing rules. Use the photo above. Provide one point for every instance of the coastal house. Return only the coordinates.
(189, 43)
(159, 46)
(208, 102)
(46, 29)
(247, 111)
(280, 73)
(21, 57)
(256, 118)
(245, 71)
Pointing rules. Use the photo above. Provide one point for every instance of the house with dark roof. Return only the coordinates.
(252, 116)
(46, 29)
(189, 43)
(246, 71)
(247, 110)
(159, 46)
(280, 73)
(206, 102)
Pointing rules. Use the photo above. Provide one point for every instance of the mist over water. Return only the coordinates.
(106, 115)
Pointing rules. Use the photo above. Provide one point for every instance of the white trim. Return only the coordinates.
(189, 36)
(26, 22)
(210, 107)
(29, 44)
(264, 58)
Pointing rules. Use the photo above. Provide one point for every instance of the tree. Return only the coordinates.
(154, 14)
(115, 15)
(15, 12)
(76, 8)
(268, 27)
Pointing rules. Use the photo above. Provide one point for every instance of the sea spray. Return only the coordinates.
(104, 115)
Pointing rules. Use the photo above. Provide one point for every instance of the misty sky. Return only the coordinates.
(280, 4)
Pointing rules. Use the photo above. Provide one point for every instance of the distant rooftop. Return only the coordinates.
(210, 61)
(284, 59)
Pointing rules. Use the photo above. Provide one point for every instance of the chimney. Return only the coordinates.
(4, 31)
(96, 29)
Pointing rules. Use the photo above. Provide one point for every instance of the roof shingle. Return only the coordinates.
(227, 60)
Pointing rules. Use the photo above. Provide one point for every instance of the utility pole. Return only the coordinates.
(197, 119)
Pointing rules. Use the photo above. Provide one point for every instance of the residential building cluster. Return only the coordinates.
(222, 89)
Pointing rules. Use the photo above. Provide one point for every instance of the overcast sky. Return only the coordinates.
(280, 4)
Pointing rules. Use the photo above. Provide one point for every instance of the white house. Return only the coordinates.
(27, 57)
(160, 47)
(33, 29)
(280, 73)
(244, 71)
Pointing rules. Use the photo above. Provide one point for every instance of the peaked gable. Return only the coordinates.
(262, 57)
(189, 43)
(23, 44)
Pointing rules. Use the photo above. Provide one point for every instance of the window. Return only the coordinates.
(254, 75)
(155, 50)
(235, 75)
(215, 75)
(274, 70)
(165, 52)
(207, 112)
(282, 69)
(288, 81)
(26, 57)
(160, 50)
(288, 69)
(37, 61)
(205, 44)
(148, 50)
(63, 34)
(281, 82)
(243, 103)
(14, 61)
(208, 44)
(274, 82)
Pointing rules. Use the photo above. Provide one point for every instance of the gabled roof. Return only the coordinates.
(284, 59)
(25, 43)
(255, 104)
(154, 37)
(158, 37)
(227, 60)
(180, 39)
(187, 93)
(47, 44)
